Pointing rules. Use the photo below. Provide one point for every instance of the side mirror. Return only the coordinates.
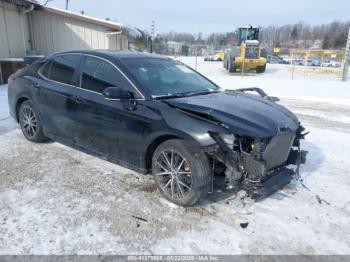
(117, 93)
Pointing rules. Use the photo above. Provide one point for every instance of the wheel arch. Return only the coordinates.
(19, 102)
(152, 147)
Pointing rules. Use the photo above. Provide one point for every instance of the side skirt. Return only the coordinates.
(98, 154)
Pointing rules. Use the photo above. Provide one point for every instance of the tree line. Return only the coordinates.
(299, 35)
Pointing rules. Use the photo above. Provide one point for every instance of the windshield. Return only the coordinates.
(248, 34)
(167, 77)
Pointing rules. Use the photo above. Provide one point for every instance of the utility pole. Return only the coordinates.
(152, 34)
(246, 38)
(67, 4)
(346, 58)
(196, 61)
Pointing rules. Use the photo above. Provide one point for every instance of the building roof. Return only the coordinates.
(114, 26)
(109, 24)
(22, 2)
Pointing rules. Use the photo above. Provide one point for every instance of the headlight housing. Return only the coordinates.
(229, 139)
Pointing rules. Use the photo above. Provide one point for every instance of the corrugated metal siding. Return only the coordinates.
(53, 33)
(122, 42)
(13, 32)
(118, 42)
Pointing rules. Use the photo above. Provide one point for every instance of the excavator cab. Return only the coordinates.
(247, 33)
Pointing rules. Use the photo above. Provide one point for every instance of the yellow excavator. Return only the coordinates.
(248, 54)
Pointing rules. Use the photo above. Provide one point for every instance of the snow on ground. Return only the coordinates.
(277, 81)
(56, 200)
(4, 112)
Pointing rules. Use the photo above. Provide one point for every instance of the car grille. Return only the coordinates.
(252, 52)
(277, 151)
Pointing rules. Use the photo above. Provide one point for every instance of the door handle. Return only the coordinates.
(78, 99)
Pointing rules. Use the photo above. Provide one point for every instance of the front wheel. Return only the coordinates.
(231, 66)
(261, 69)
(181, 172)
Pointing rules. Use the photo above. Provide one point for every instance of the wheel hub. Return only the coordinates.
(28, 121)
(173, 174)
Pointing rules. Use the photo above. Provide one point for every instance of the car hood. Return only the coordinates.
(243, 114)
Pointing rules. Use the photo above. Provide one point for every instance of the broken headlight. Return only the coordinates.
(229, 139)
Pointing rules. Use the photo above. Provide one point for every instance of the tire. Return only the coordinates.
(261, 69)
(263, 53)
(30, 123)
(231, 68)
(181, 172)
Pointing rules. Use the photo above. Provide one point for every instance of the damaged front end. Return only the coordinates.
(254, 141)
(259, 166)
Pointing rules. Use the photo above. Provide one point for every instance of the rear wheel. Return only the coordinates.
(181, 173)
(30, 123)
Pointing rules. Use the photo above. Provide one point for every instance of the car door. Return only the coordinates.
(113, 128)
(55, 92)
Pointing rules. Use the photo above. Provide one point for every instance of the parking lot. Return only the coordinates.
(56, 200)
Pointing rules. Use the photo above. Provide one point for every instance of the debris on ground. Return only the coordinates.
(140, 218)
(320, 200)
(244, 225)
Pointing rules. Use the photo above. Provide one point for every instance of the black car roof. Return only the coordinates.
(115, 54)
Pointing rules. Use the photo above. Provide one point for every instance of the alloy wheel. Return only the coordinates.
(173, 174)
(28, 121)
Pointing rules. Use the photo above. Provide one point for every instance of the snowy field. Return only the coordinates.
(278, 81)
(56, 200)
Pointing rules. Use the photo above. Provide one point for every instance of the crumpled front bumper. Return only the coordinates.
(262, 177)
(273, 180)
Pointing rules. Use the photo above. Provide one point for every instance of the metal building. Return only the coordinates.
(57, 30)
(28, 28)
(14, 32)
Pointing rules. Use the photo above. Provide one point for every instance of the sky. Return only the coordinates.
(209, 16)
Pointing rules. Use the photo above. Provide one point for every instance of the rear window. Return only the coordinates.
(61, 68)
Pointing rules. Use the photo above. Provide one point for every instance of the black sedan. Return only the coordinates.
(155, 115)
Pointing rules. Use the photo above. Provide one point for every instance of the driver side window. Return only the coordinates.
(98, 74)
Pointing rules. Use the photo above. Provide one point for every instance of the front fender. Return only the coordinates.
(190, 126)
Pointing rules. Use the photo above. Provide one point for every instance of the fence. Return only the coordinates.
(317, 61)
